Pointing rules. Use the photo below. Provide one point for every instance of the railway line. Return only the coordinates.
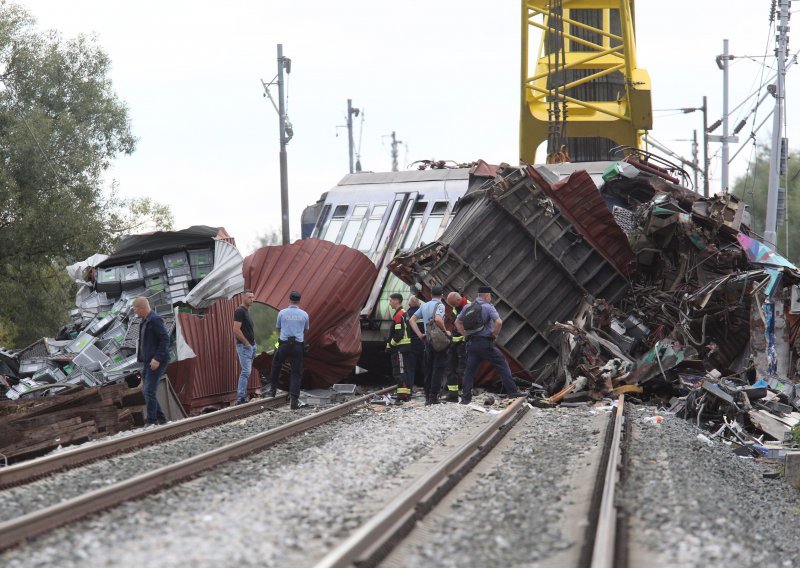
(403, 485)
(28, 471)
(40, 521)
(381, 540)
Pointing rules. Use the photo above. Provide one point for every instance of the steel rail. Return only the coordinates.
(28, 471)
(39, 522)
(376, 538)
(604, 552)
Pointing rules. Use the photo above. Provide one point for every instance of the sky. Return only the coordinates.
(443, 74)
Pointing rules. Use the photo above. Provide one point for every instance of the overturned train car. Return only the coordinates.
(512, 232)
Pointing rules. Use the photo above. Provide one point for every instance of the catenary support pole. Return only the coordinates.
(705, 147)
(725, 119)
(283, 161)
(781, 39)
(350, 148)
(695, 159)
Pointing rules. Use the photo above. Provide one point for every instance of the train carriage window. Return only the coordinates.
(353, 225)
(434, 223)
(336, 223)
(371, 230)
(416, 220)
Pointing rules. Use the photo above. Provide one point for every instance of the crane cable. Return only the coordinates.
(557, 151)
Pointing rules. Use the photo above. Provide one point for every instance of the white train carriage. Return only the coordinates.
(381, 214)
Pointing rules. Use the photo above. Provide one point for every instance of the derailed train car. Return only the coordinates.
(511, 233)
(382, 215)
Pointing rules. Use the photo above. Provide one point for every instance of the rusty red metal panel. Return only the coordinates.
(579, 201)
(334, 281)
(210, 378)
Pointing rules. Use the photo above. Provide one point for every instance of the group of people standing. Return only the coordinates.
(292, 323)
(463, 337)
(466, 337)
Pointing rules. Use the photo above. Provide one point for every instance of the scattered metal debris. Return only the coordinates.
(627, 282)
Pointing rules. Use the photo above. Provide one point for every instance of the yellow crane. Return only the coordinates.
(585, 93)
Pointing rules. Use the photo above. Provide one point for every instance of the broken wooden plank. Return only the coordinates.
(769, 424)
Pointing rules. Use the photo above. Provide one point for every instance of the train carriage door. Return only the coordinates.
(387, 242)
(370, 237)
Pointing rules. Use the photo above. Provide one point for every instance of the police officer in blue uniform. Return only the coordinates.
(481, 346)
(432, 313)
(292, 323)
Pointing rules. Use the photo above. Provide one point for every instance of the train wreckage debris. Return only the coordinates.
(610, 279)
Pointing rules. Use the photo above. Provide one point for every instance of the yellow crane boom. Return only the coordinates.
(586, 92)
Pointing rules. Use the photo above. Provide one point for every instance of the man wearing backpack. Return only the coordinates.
(432, 314)
(481, 324)
(457, 354)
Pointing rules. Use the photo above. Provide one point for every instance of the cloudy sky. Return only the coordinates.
(443, 74)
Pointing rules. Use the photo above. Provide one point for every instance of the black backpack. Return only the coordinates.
(472, 318)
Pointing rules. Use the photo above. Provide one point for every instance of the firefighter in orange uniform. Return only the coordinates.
(456, 356)
(398, 345)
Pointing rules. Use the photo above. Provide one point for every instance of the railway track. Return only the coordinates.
(39, 522)
(604, 544)
(28, 471)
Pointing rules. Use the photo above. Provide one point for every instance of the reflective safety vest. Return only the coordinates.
(457, 337)
(399, 335)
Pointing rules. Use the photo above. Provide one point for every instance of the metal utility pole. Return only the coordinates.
(395, 144)
(351, 112)
(722, 63)
(725, 121)
(286, 134)
(694, 157)
(283, 63)
(705, 147)
(782, 41)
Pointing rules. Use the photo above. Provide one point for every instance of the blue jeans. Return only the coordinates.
(246, 355)
(483, 349)
(150, 380)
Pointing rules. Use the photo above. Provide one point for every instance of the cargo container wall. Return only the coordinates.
(509, 234)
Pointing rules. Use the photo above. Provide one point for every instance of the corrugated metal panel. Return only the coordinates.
(209, 379)
(581, 203)
(508, 236)
(334, 281)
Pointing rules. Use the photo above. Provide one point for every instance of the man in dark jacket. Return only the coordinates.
(415, 356)
(153, 352)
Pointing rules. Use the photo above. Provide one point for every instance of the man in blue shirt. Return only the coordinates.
(432, 313)
(153, 352)
(481, 347)
(292, 323)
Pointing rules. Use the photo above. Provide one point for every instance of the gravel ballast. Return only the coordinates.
(284, 506)
(698, 505)
(51, 490)
(514, 513)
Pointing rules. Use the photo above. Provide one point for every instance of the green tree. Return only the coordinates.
(753, 187)
(61, 125)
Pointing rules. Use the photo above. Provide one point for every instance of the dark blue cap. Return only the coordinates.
(294, 296)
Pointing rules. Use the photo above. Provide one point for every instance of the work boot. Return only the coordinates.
(273, 392)
(517, 394)
(294, 403)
